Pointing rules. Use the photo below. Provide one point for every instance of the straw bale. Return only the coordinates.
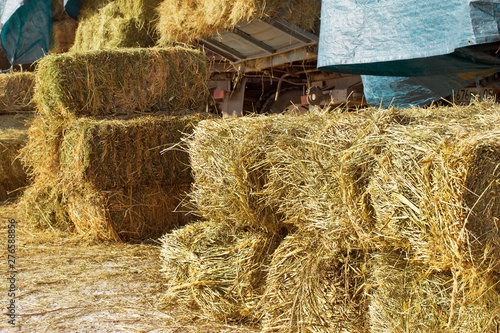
(126, 213)
(407, 297)
(230, 166)
(314, 182)
(16, 92)
(102, 83)
(217, 268)
(12, 173)
(434, 192)
(111, 153)
(63, 35)
(187, 21)
(313, 285)
(107, 24)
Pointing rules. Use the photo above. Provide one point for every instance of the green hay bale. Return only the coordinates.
(103, 83)
(12, 173)
(435, 192)
(230, 166)
(16, 92)
(315, 286)
(111, 153)
(406, 297)
(187, 21)
(63, 35)
(217, 268)
(106, 24)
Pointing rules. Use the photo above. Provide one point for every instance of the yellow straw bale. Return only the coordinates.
(408, 297)
(315, 286)
(434, 192)
(217, 268)
(230, 166)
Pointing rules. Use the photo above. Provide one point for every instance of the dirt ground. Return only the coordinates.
(66, 285)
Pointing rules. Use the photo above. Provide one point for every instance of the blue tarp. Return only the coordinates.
(25, 28)
(412, 45)
(71, 7)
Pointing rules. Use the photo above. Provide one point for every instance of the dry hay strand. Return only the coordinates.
(314, 285)
(106, 24)
(114, 153)
(12, 173)
(230, 166)
(187, 21)
(434, 193)
(217, 268)
(102, 83)
(127, 214)
(16, 92)
(408, 297)
(63, 35)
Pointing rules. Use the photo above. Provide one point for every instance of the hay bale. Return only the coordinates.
(63, 35)
(116, 214)
(16, 92)
(408, 297)
(314, 183)
(101, 83)
(12, 173)
(188, 21)
(108, 176)
(106, 24)
(217, 268)
(314, 285)
(112, 153)
(230, 166)
(126, 213)
(434, 193)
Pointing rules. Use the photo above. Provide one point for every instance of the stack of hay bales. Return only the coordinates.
(350, 190)
(188, 21)
(107, 24)
(94, 148)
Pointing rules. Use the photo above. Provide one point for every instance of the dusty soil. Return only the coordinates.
(63, 284)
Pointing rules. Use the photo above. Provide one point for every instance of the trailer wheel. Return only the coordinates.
(288, 102)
